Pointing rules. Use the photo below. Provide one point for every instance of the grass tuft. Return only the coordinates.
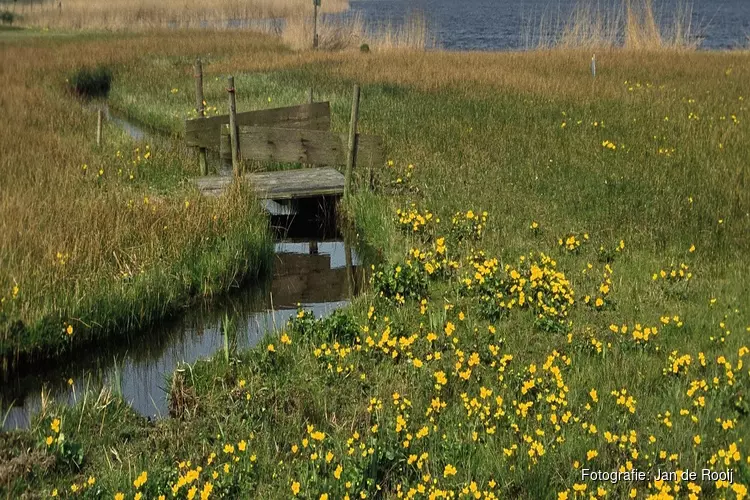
(88, 82)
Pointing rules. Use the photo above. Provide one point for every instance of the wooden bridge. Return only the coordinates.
(291, 135)
(282, 184)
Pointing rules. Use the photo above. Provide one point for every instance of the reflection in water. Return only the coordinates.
(318, 281)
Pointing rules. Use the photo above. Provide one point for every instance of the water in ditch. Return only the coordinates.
(314, 267)
(318, 282)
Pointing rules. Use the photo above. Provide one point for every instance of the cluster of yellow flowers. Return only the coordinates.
(677, 364)
(674, 274)
(638, 86)
(573, 242)
(61, 258)
(435, 260)
(601, 299)
(55, 428)
(333, 357)
(403, 177)
(207, 110)
(412, 220)
(534, 284)
(469, 225)
(460, 391)
(623, 398)
(668, 152)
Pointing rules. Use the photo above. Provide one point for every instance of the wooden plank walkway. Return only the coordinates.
(282, 184)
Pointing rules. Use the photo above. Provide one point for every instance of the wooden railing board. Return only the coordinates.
(204, 132)
(312, 147)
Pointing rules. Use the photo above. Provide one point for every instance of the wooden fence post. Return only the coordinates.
(99, 119)
(315, 23)
(234, 140)
(307, 165)
(593, 66)
(351, 152)
(201, 109)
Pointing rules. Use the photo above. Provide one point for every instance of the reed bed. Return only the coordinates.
(351, 31)
(123, 15)
(629, 24)
(291, 20)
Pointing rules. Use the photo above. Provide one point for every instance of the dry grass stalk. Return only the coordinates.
(183, 402)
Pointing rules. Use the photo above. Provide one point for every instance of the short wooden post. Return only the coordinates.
(200, 107)
(234, 140)
(99, 119)
(351, 152)
(310, 100)
(313, 247)
(316, 3)
(593, 66)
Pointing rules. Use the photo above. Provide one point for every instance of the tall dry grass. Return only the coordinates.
(94, 247)
(342, 33)
(629, 24)
(347, 32)
(150, 14)
(292, 20)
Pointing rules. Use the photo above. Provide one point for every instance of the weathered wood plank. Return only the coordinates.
(303, 146)
(281, 185)
(200, 108)
(204, 132)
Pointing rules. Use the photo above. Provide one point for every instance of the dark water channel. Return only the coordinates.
(142, 367)
(314, 266)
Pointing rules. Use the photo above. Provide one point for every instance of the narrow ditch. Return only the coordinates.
(315, 267)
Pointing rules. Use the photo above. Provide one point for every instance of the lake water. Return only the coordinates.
(504, 24)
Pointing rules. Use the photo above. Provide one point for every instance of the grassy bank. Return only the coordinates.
(101, 241)
(604, 326)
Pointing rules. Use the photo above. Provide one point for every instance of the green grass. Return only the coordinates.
(494, 142)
